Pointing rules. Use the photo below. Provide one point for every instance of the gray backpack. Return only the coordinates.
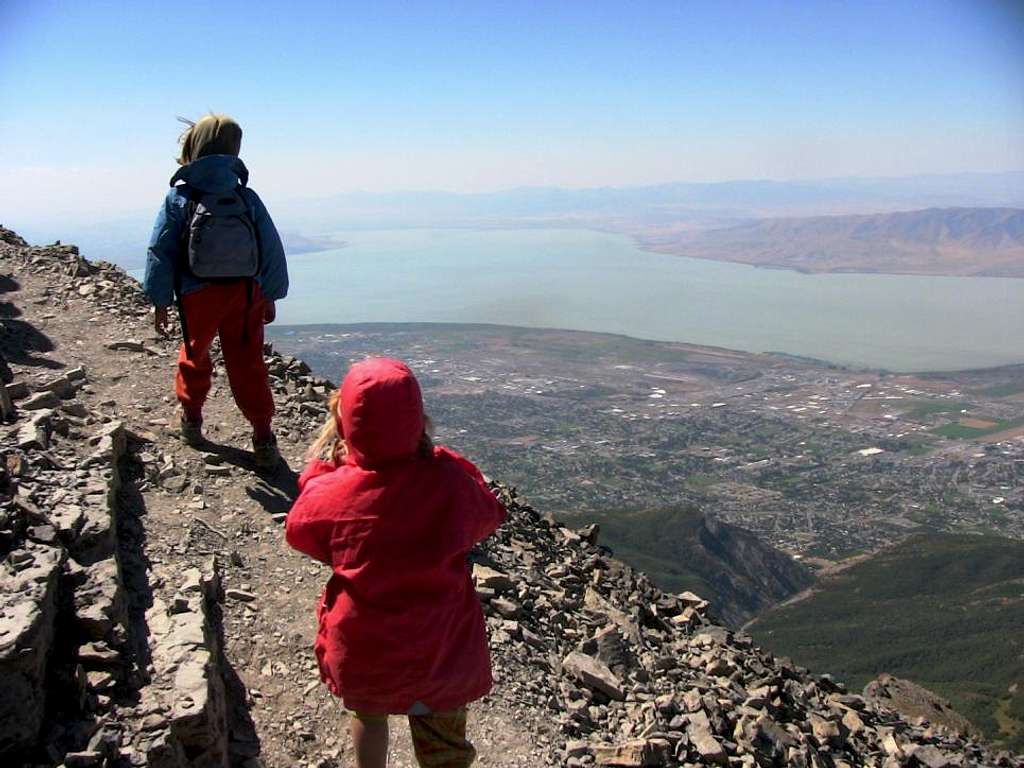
(222, 243)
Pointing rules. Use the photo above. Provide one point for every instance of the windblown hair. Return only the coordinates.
(212, 134)
(330, 443)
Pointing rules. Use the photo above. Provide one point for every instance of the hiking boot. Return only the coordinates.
(191, 432)
(265, 453)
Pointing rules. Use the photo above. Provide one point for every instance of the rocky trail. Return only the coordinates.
(152, 615)
(188, 640)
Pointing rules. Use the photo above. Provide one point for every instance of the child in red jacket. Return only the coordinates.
(401, 629)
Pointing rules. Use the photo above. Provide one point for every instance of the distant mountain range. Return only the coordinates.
(700, 202)
(935, 241)
(659, 214)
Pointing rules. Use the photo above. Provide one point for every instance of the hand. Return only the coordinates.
(160, 320)
(269, 312)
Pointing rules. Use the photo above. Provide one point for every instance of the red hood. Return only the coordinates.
(381, 411)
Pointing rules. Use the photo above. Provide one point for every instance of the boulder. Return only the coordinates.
(610, 648)
(187, 677)
(99, 601)
(488, 578)
(638, 753)
(28, 608)
(35, 435)
(706, 747)
(594, 675)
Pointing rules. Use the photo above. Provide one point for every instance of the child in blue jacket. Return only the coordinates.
(234, 309)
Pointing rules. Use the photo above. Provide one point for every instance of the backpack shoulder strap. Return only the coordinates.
(179, 268)
(191, 203)
(240, 191)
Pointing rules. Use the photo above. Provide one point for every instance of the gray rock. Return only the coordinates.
(491, 579)
(706, 747)
(127, 345)
(99, 601)
(638, 753)
(98, 654)
(594, 675)
(67, 520)
(610, 648)
(507, 608)
(6, 404)
(912, 700)
(40, 401)
(28, 608)
(932, 757)
(111, 442)
(62, 386)
(97, 535)
(187, 681)
(84, 759)
(35, 435)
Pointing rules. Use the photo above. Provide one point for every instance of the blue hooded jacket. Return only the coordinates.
(212, 173)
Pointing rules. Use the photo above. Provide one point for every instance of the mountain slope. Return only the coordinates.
(886, 613)
(935, 241)
(682, 549)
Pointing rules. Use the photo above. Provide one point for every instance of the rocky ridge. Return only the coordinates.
(151, 615)
(90, 675)
(913, 700)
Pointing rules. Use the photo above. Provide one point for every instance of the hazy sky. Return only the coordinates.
(479, 95)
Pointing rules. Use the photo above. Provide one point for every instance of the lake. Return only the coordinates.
(592, 281)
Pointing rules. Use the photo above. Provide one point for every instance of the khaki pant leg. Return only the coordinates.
(440, 740)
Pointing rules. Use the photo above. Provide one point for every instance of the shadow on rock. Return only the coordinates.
(228, 454)
(8, 284)
(20, 341)
(243, 739)
(135, 565)
(276, 491)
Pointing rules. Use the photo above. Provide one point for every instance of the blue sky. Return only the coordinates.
(468, 96)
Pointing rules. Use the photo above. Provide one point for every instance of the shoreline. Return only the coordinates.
(707, 349)
(643, 242)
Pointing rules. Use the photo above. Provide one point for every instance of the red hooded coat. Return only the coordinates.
(400, 621)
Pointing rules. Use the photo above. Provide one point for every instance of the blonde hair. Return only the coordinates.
(212, 134)
(330, 445)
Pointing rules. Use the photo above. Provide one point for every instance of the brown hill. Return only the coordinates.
(935, 241)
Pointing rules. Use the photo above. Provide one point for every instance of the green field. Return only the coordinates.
(922, 409)
(1002, 390)
(942, 610)
(960, 432)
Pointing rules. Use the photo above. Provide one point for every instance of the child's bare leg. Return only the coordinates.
(370, 739)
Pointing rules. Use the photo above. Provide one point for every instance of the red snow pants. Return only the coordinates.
(223, 309)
